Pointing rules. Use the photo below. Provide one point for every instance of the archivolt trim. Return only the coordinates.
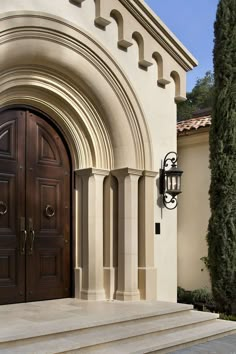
(82, 126)
(36, 25)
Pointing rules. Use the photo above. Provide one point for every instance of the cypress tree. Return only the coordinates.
(221, 235)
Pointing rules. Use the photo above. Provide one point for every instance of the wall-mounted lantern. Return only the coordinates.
(170, 180)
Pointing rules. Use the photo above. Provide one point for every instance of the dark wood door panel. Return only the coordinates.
(48, 199)
(49, 195)
(10, 289)
(48, 278)
(8, 271)
(8, 139)
(47, 151)
(12, 205)
(8, 208)
(34, 195)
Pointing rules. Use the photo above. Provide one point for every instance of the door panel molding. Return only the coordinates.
(35, 186)
(12, 185)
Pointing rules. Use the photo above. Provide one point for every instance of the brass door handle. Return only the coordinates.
(23, 241)
(32, 236)
(23, 236)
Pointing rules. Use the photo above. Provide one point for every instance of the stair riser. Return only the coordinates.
(189, 344)
(88, 330)
(167, 350)
(116, 339)
(106, 345)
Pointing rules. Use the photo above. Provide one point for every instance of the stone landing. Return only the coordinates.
(73, 326)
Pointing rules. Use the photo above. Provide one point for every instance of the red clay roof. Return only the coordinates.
(193, 124)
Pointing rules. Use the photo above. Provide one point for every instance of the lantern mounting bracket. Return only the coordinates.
(170, 180)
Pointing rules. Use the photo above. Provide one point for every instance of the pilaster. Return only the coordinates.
(127, 233)
(92, 233)
(78, 236)
(110, 236)
(147, 273)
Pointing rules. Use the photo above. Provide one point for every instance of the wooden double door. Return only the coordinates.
(35, 202)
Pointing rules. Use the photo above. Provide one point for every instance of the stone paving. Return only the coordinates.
(225, 345)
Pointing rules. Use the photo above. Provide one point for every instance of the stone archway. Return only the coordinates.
(55, 67)
(65, 64)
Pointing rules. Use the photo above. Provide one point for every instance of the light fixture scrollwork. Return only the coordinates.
(170, 180)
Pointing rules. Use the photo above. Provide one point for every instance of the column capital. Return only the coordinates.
(126, 171)
(91, 171)
(148, 173)
(79, 2)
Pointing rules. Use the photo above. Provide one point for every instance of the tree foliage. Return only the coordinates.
(222, 224)
(201, 97)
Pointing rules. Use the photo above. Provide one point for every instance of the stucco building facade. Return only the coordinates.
(88, 93)
(194, 205)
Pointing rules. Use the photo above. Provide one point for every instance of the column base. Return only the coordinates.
(147, 281)
(127, 296)
(110, 282)
(95, 295)
(78, 282)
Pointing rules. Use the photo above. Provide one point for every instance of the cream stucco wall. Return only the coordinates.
(132, 111)
(193, 210)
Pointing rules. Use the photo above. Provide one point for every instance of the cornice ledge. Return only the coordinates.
(149, 173)
(160, 32)
(91, 171)
(126, 171)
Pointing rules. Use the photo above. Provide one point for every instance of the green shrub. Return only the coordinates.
(223, 316)
(202, 295)
(184, 296)
(196, 296)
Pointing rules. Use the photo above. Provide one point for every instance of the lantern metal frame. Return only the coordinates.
(169, 171)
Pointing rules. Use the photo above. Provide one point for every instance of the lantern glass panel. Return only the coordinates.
(179, 183)
(166, 182)
(169, 182)
(174, 182)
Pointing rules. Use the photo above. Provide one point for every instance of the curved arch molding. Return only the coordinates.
(56, 67)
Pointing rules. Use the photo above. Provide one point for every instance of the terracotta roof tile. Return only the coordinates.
(193, 124)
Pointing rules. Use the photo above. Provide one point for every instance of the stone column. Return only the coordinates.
(110, 236)
(78, 236)
(127, 233)
(92, 233)
(147, 273)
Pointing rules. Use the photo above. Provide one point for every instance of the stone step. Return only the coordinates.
(166, 342)
(107, 338)
(55, 317)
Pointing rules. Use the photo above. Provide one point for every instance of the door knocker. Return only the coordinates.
(49, 211)
(3, 208)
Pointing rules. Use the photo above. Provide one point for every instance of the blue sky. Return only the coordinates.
(192, 22)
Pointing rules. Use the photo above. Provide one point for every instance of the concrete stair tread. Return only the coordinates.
(167, 342)
(29, 326)
(73, 340)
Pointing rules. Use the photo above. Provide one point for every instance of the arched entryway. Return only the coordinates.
(35, 208)
(83, 89)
